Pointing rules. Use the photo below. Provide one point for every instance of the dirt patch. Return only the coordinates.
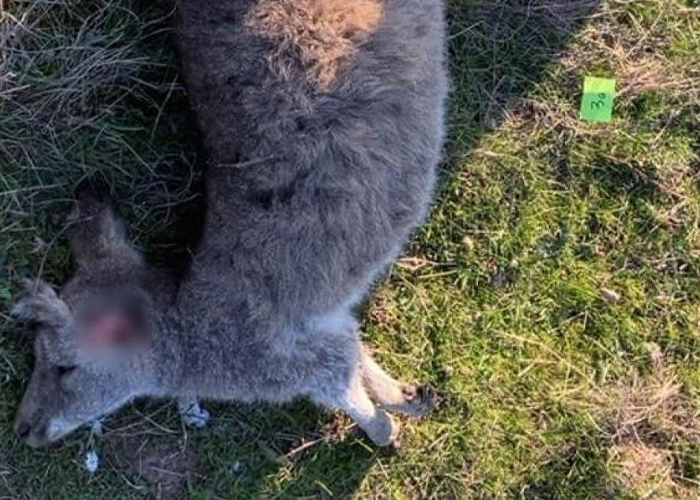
(161, 461)
(319, 34)
(383, 311)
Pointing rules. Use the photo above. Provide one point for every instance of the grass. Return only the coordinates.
(553, 298)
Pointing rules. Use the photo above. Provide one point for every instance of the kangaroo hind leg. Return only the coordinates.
(392, 395)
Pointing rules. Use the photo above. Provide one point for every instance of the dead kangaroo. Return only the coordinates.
(322, 125)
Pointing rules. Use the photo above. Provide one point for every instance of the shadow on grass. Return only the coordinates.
(293, 451)
(498, 51)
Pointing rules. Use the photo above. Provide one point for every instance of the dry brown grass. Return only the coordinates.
(636, 49)
(649, 423)
(613, 41)
(9, 27)
(647, 472)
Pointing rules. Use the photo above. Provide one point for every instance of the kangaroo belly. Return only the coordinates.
(322, 126)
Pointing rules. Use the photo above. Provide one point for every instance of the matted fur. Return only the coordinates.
(319, 34)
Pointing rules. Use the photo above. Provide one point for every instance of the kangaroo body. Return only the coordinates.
(322, 124)
(313, 186)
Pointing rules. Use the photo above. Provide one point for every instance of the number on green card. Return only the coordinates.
(598, 99)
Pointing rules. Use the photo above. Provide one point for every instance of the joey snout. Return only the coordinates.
(38, 432)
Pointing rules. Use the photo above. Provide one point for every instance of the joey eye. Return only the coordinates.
(65, 370)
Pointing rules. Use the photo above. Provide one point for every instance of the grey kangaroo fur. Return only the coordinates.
(322, 123)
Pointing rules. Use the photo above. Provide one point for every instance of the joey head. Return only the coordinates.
(91, 348)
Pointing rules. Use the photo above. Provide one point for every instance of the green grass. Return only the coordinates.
(552, 388)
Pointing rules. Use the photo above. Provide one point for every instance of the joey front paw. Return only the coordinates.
(41, 305)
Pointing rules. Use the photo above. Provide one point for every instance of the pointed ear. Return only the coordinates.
(41, 305)
(95, 232)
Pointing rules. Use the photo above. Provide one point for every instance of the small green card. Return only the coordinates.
(598, 99)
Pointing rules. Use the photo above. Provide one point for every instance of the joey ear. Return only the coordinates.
(95, 231)
(41, 305)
